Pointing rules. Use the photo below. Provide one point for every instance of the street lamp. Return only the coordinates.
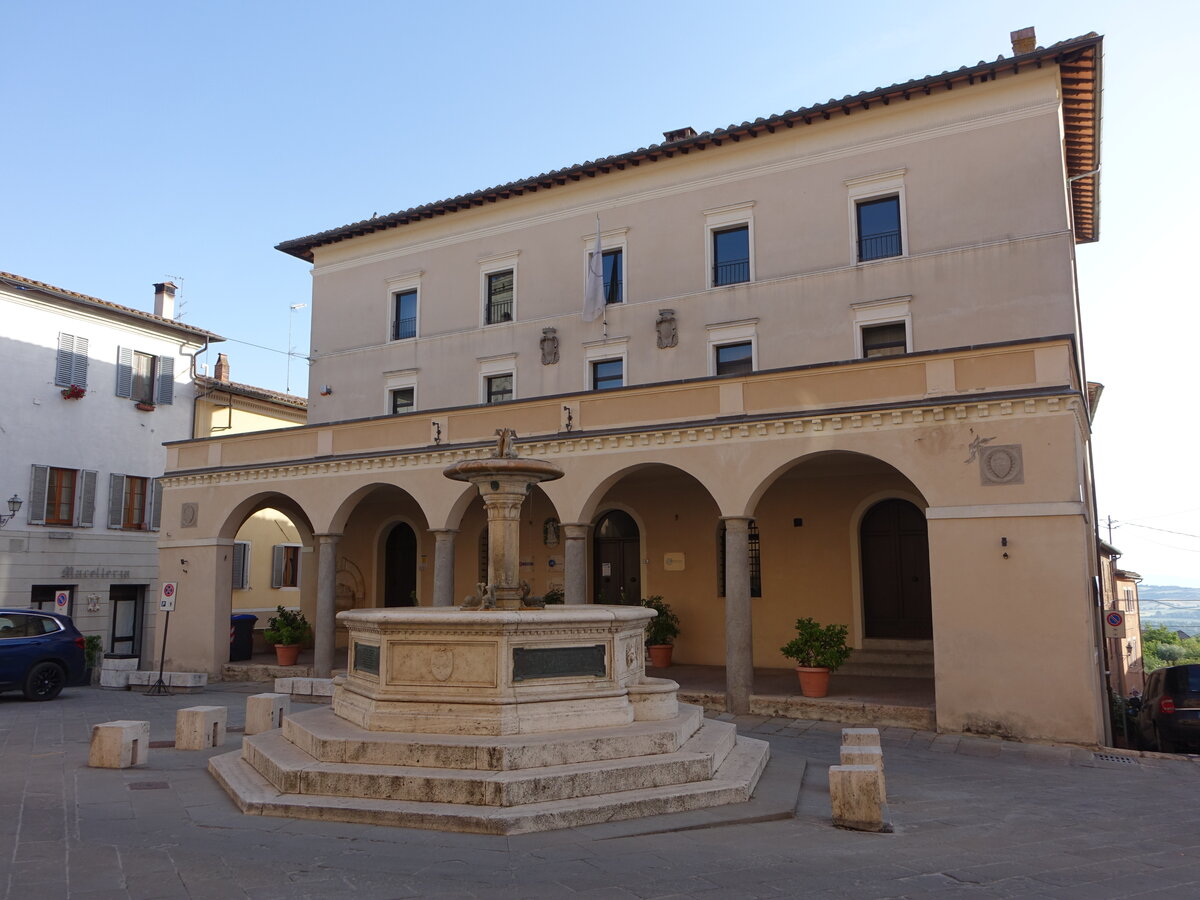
(293, 308)
(14, 506)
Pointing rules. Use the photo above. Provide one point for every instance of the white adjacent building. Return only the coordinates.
(92, 391)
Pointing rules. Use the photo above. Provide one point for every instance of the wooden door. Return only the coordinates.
(617, 559)
(400, 567)
(894, 543)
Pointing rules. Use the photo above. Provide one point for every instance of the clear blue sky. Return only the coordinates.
(183, 140)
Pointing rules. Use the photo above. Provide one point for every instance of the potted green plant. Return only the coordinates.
(287, 630)
(554, 597)
(93, 647)
(661, 632)
(818, 650)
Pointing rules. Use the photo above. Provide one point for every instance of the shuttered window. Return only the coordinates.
(62, 496)
(285, 566)
(241, 565)
(71, 365)
(145, 378)
(134, 503)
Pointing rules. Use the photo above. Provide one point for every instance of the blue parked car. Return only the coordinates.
(40, 653)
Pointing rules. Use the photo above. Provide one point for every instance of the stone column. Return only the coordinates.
(575, 564)
(739, 649)
(443, 566)
(326, 624)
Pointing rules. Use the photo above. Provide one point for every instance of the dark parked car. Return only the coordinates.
(1170, 715)
(40, 653)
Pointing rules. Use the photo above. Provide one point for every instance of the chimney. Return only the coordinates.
(221, 369)
(164, 300)
(679, 134)
(1023, 41)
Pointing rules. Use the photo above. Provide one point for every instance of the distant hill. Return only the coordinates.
(1170, 605)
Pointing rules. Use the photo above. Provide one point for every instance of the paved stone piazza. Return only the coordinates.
(974, 817)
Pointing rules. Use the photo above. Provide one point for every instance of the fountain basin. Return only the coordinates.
(497, 672)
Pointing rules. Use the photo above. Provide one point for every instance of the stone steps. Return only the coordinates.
(732, 781)
(889, 662)
(328, 738)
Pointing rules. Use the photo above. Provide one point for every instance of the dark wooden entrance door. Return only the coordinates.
(894, 543)
(400, 567)
(616, 555)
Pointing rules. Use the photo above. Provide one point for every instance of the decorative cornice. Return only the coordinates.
(743, 429)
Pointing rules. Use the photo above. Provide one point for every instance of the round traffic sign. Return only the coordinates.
(168, 590)
(1114, 619)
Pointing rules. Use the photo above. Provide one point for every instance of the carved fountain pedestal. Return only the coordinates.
(497, 717)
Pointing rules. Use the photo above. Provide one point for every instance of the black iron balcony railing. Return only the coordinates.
(404, 328)
(499, 311)
(733, 271)
(879, 246)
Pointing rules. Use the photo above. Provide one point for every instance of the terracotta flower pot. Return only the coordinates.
(286, 654)
(660, 655)
(814, 682)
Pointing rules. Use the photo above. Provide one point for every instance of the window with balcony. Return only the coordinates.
(608, 374)
(498, 388)
(404, 315)
(500, 291)
(612, 260)
(888, 339)
(734, 359)
(731, 255)
(878, 224)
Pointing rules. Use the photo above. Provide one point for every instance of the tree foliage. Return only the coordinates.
(1163, 647)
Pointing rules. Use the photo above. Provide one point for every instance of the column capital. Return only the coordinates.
(329, 537)
(737, 520)
(575, 530)
(443, 532)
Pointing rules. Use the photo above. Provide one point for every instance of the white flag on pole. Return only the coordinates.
(593, 292)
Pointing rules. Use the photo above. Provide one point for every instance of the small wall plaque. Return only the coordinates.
(558, 662)
(1002, 464)
(366, 658)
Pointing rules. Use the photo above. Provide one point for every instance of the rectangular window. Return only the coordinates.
(241, 565)
(735, 359)
(731, 255)
(142, 390)
(285, 566)
(60, 497)
(134, 505)
(403, 400)
(878, 228)
(499, 388)
(499, 297)
(612, 260)
(70, 368)
(404, 324)
(890, 339)
(608, 374)
(755, 560)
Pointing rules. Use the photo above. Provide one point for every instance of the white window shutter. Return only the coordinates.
(124, 372)
(37, 494)
(154, 498)
(241, 565)
(277, 565)
(64, 365)
(86, 501)
(79, 363)
(116, 500)
(166, 380)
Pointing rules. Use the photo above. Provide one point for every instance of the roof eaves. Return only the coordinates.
(1081, 105)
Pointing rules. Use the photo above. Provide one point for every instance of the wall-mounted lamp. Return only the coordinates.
(183, 562)
(1004, 543)
(14, 506)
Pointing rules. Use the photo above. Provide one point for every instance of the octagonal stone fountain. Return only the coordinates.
(500, 716)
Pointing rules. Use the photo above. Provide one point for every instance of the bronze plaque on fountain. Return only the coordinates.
(366, 658)
(558, 662)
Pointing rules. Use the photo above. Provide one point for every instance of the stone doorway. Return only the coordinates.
(617, 559)
(400, 566)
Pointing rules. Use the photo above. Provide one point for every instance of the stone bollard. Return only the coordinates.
(119, 745)
(200, 727)
(860, 737)
(861, 755)
(114, 672)
(856, 793)
(266, 711)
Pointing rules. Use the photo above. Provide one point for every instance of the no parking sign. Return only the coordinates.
(1114, 624)
(166, 601)
(61, 599)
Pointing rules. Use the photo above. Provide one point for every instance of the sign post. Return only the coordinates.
(166, 603)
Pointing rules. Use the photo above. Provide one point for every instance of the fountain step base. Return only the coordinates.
(272, 776)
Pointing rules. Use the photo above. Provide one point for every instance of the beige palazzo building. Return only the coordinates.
(838, 374)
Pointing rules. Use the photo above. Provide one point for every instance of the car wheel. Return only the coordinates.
(45, 681)
(1164, 745)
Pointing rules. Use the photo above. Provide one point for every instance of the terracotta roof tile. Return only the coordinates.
(248, 390)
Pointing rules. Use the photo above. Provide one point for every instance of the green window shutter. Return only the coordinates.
(37, 494)
(86, 502)
(124, 372)
(116, 499)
